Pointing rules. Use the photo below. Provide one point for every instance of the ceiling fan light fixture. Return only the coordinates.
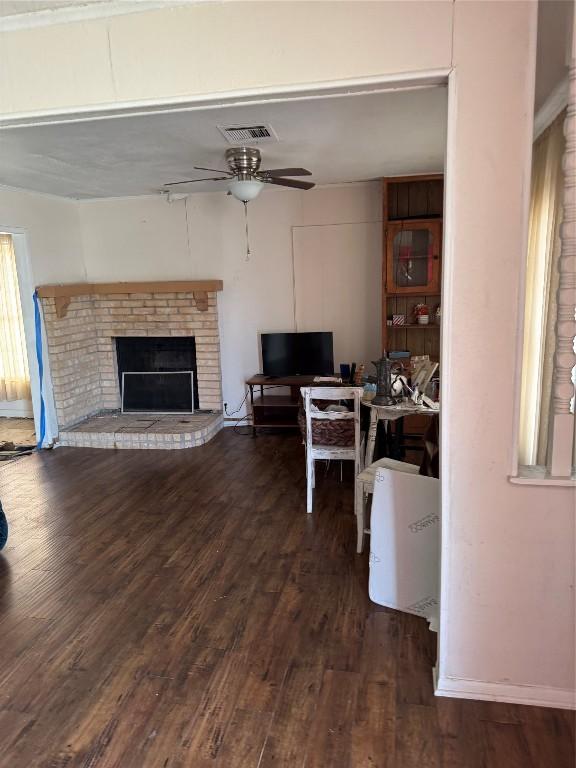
(245, 190)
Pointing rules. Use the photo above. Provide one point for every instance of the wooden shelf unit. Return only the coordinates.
(412, 202)
(271, 410)
(277, 401)
(277, 411)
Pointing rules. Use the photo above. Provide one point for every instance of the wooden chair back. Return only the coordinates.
(310, 394)
(319, 451)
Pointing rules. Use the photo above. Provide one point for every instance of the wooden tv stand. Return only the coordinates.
(279, 411)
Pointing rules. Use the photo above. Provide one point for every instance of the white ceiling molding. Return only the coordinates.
(549, 111)
(90, 9)
(402, 81)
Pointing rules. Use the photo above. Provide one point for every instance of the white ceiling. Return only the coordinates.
(25, 14)
(341, 139)
(15, 7)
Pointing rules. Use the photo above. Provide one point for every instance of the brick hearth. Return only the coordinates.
(122, 430)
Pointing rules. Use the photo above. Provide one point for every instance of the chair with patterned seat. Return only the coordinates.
(331, 434)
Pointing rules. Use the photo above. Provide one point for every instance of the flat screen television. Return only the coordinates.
(297, 354)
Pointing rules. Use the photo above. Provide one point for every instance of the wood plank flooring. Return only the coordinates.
(180, 610)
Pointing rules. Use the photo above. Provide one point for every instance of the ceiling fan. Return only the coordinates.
(245, 179)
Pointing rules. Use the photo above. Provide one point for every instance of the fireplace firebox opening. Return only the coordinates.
(158, 374)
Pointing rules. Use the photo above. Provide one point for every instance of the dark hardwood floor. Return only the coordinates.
(180, 610)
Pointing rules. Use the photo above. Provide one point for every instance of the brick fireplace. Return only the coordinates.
(83, 322)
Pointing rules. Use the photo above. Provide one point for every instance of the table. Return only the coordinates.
(389, 413)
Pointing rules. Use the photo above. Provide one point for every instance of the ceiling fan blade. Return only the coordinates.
(193, 181)
(215, 170)
(290, 183)
(286, 172)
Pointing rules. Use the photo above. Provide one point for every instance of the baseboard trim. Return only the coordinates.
(16, 409)
(532, 695)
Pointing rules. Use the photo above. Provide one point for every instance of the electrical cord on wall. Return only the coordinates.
(241, 419)
(231, 413)
(265, 386)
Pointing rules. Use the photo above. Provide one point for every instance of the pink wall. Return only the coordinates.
(508, 551)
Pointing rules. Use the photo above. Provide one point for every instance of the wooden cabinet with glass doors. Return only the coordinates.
(413, 257)
(411, 268)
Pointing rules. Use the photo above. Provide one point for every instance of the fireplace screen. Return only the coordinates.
(157, 374)
(152, 392)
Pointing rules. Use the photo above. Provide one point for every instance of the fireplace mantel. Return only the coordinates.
(63, 292)
(155, 286)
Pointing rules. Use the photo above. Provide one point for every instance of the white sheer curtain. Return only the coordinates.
(14, 376)
(541, 287)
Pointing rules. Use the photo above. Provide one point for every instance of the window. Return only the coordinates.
(543, 358)
(14, 376)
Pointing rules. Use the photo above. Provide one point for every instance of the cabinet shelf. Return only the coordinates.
(414, 219)
(412, 326)
(276, 401)
(395, 294)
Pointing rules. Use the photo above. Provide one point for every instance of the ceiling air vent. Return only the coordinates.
(247, 134)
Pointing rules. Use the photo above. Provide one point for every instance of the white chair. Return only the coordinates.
(365, 487)
(405, 543)
(316, 451)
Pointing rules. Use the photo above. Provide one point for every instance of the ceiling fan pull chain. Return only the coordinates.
(248, 254)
